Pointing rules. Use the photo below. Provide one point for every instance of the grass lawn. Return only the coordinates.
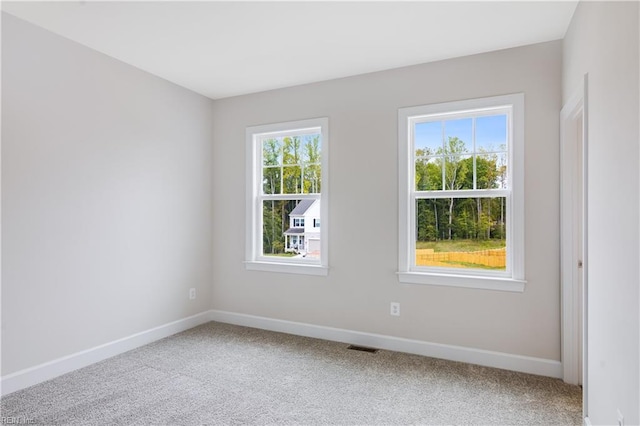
(461, 245)
(474, 266)
(290, 254)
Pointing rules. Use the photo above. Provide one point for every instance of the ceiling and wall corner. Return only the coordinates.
(222, 49)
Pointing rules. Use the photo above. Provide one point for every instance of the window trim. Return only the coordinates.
(254, 260)
(513, 280)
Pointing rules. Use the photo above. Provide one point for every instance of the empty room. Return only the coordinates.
(361, 213)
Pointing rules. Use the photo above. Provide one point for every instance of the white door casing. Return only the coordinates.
(573, 128)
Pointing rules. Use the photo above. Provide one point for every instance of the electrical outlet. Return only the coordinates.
(395, 309)
(192, 293)
(620, 419)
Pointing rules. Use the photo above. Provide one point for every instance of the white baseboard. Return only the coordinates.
(49, 370)
(524, 364)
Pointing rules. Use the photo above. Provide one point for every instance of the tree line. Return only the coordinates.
(451, 168)
(291, 165)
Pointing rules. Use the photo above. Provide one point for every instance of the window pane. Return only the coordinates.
(292, 180)
(292, 150)
(491, 171)
(274, 223)
(289, 228)
(501, 164)
(428, 174)
(458, 137)
(458, 172)
(312, 178)
(272, 152)
(491, 133)
(311, 149)
(428, 138)
(271, 180)
(461, 233)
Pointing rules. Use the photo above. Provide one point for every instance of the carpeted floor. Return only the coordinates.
(224, 374)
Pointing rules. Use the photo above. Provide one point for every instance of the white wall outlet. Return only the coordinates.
(395, 309)
(192, 293)
(620, 419)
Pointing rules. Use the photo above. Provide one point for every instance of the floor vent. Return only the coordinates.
(362, 349)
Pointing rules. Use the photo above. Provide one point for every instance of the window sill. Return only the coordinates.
(477, 282)
(287, 268)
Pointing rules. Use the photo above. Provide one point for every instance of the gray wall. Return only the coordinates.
(362, 113)
(106, 198)
(602, 40)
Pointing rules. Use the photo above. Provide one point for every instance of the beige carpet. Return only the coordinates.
(223, 374)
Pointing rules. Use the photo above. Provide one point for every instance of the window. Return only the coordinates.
(461, 193)
(286, 186)
(316, 223)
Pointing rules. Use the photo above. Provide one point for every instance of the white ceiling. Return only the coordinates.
(222, 49)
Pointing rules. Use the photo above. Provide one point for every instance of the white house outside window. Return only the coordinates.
(286, 197)
(461, 193)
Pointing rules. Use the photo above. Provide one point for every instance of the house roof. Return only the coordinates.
(294, 231)
(302, 207)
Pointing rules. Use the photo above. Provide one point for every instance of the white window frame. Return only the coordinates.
(255, 260)
(513, 279)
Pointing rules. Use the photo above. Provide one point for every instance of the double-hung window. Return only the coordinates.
(287, 178)
(461, 197)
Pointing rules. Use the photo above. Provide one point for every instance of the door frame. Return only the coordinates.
(572, 316)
